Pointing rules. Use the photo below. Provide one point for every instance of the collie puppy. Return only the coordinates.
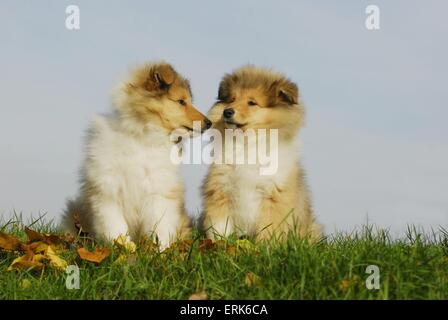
(129, 185)
(237, 197)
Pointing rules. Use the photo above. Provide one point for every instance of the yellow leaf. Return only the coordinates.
(120, 260)
(252, 279)
(202, 295)
(245, 245)
(55, 261)
(38, 247)
(25, 284)
(126, 243)
(27, 261)
(39, 257)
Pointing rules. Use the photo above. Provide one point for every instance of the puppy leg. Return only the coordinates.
(108, 220)
(278, 219)
(218, 219)
(165, 219)
(265, 224)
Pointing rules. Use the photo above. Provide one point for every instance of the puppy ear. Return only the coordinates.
(161, 77)
(225, 89)
(288, 93)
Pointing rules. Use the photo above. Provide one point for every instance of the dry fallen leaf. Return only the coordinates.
(125, 243)
(36, 247)
(202, 295)
(35, 254)
(25, 284)
(34, 236)
(9, 242)
(344, 284)
(245, 245)
(27, 261)
(251, 280)
(230, 249)
(179, 246)
(147, 245)
(184, 246)
(55, 261)
(206, 244)
(98, 256)
(224, 245)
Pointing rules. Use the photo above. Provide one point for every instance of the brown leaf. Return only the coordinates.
(221, 243)
(224, 245)
(36, 247)
(179, 246)
(98, 256)
(9, 242)
(34, 236)
(147, 245)
(206, 244)
(202, 295)
(184, 246)
(345, 284)
(230, 249)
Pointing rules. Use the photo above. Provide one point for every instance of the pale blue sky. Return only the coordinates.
(376, 136)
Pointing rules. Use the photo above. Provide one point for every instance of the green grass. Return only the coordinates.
(415, 267)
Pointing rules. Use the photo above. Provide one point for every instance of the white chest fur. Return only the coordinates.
(247, 187)
(132, 169)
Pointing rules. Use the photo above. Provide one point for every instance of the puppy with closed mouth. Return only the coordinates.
(129, 185)
(237, 198)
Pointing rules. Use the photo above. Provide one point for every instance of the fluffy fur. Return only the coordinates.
(129, 186)
(236, 197)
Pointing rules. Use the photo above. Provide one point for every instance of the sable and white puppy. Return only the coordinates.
(237, 198)
(129, 185)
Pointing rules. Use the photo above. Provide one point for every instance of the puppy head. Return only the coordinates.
(258, 98)
(155, 94)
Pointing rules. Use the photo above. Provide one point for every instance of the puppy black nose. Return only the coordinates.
(208, 123)
(228, 113)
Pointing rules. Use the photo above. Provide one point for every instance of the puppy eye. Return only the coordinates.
(252, 103)
(182, 102)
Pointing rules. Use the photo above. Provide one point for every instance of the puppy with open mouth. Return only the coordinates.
(129, 186)
(237, 198)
